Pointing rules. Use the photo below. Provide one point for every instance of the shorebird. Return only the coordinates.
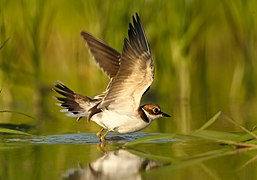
(131, 73)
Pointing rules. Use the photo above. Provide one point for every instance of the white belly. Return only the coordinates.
(121, 123)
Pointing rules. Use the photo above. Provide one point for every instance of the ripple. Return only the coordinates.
(80, 138)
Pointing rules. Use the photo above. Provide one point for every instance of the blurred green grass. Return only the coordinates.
(204, 53)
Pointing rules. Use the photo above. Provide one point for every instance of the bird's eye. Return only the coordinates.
(156, 110)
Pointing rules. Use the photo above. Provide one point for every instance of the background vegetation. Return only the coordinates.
(204, 52)
(205, 59)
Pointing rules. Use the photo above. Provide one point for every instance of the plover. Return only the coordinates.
(131, 73)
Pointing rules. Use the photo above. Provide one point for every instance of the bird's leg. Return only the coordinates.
(98, 134)
(102, 138)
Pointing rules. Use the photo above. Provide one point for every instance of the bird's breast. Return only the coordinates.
(119, 122)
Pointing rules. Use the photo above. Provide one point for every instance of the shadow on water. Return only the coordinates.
(118, 164)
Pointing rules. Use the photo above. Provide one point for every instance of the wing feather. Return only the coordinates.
(136, 70)
(107, 58)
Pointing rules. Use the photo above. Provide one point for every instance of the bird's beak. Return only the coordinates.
(164, 114)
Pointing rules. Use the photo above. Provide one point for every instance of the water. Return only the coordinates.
(82, 156)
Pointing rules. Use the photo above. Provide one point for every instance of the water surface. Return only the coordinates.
(82, 156)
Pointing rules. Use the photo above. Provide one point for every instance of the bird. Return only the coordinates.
(131, 74)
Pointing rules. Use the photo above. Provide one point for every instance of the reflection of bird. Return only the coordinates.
(119, 164)
(131, 73)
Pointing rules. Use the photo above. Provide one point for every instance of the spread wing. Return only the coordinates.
(107, 58)
(135, 74)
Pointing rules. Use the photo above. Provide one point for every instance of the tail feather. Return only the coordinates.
(75, 105)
